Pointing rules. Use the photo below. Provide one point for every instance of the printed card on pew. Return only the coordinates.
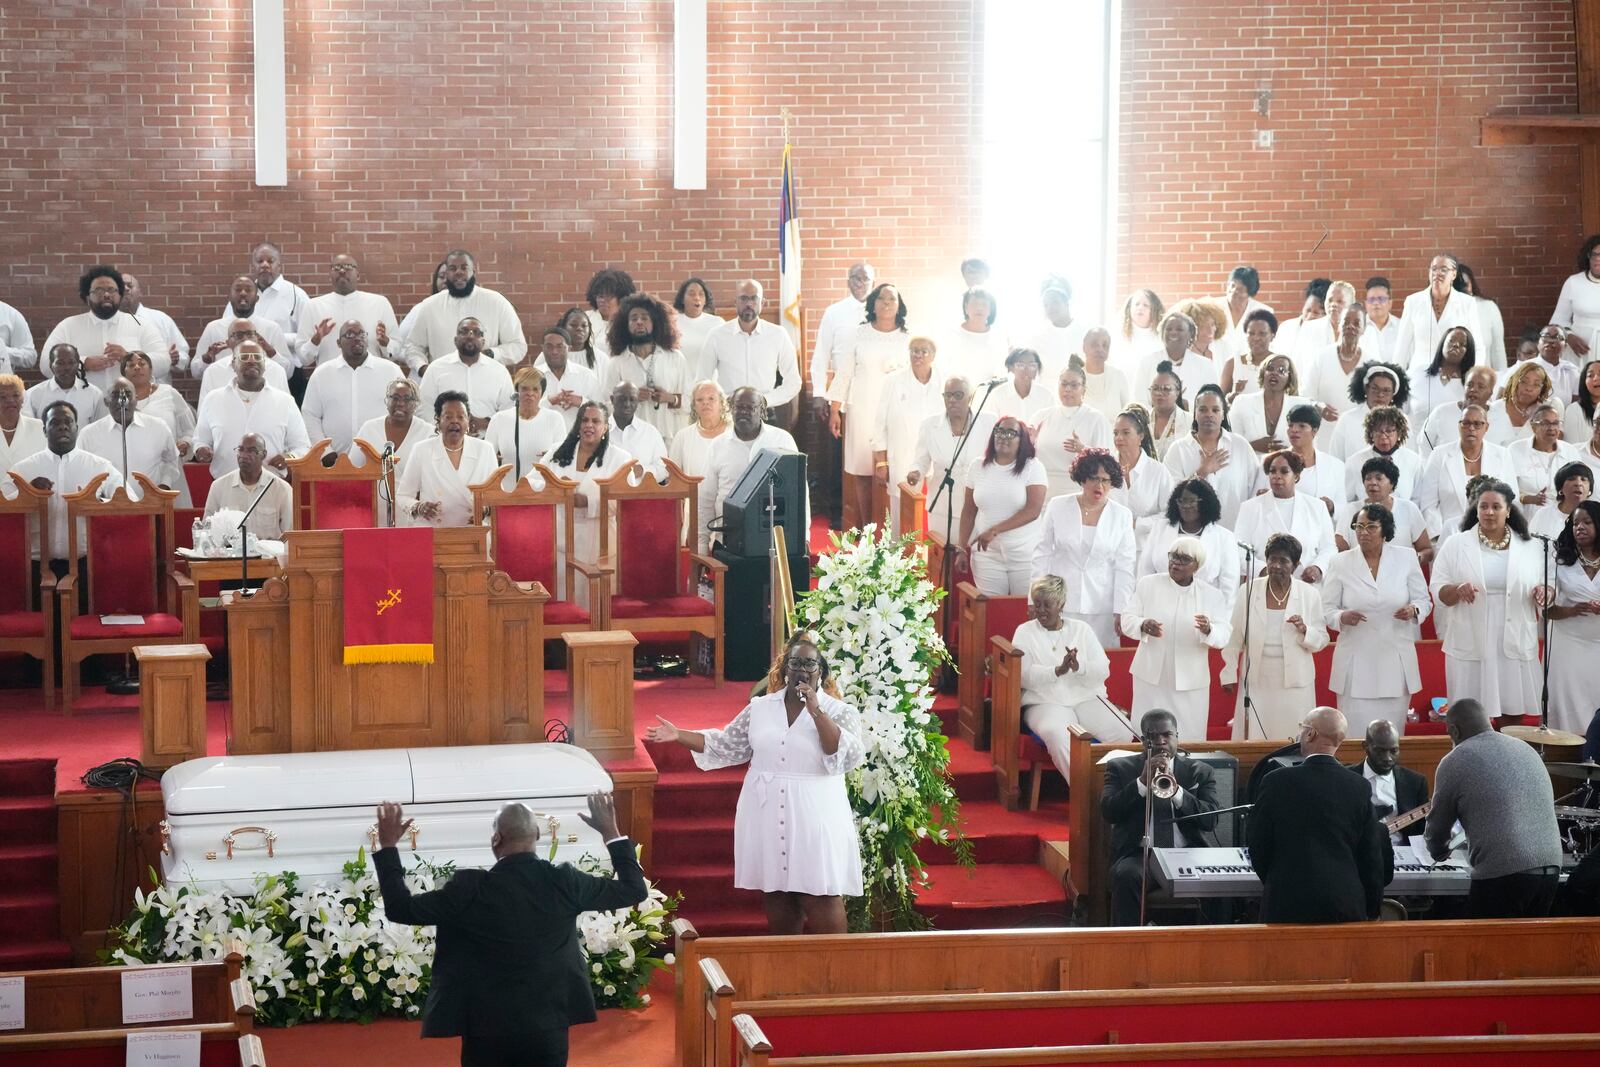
(157, 994)
(13, 1003)
(164, 1048)
(122, 620)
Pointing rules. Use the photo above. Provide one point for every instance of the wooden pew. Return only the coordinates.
(837, 1026)
(754, 1050)
(220, 1046)
(980, 618)
(1088, 842)
(763, 968)
(90, 998)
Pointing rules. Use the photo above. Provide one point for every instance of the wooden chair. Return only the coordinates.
(339, 497)
(129, 546)
(980, 618)
(913, 517)
(524, 528)
(27, 605)
(655, 571)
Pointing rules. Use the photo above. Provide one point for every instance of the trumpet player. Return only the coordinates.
(1315, 840)
(1173, 785)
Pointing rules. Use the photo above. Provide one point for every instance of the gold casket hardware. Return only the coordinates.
(166, 837)
(372, 836)
(232, 835)
(554, 826)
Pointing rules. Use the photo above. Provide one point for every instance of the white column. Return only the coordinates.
(271, 121)
(689, 94)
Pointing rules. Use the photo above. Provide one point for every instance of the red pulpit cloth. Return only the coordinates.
(388, 595)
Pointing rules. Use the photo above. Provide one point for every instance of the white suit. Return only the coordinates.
(1095, 561)
(1283, 674)
(1173, 671)
(1375, 668)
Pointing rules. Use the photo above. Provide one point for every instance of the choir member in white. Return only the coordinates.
(1241, 372)
(409, 323)
(1578, 307)
(690, 447)
(1216, 454)
(1146, 482)
(1327, 378)
(135, 443)
(1443, 379)
(16, 341)
(1427, 316)
(731, 454)
(1440, 427)
(581, 341)
(1106, 388)
(751, 351)
(644, 351)
(1321, 475)
(1378, 477)
(938, 439)
(910, 397)
(1170, 420)
(344, 394)
(1239, 297)
(1060, 338)
(866, 358)
(1536, 459)
(1262, 417)
(1177, 620)
(839, 317)
(568, 384)
(1317, 336)
(1589, 454)
(1001, 517)
(1283, 509)
(1574, 645)
(1548, 348)
(1178, 332)
(794, 836)
(1492, 326)
(1064, 672)
(61, 468)
(587, 456)
(248, 406)
(975, 349)
(177, 349)
(21, 434)
(1020, 397)
(105, 333)
(1313, 310)
(66, 382)
(632, 434)
(435, 486)
(399, 428)
(695, 320)
(524, 435)
(1526, 387)
(223, 334)
(607, 289)
(281, 301)
(1375, 598)
(324, 317)
(1211, 324)
(1487, 583)
(1442, 489)
(1193, 510)
(1062, 432)
(1386, 431)
(1286, 629)
(160, 400)
(1089, 538)
(433, 335)
(1380, 305)
(1142, 313)
(1574, 484)
(250, 487)
(1372, 385)
(469, 370)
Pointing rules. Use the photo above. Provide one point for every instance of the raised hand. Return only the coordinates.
(662, 733)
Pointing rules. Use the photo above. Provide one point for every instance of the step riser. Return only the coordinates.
(31, 919)
(35, 956)
(28, 778)
(31, 825)
(29, 874)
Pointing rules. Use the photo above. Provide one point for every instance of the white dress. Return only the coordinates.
(1145, 491)
(1574, 650)
(977, 356)
(1053, 429)
(692, 334)
(793, 830)
(1578, 310)
(1095, 561)
(527, 444)
(870, 357)
(1482, 667)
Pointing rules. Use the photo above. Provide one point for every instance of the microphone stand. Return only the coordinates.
(516, 438)
(947, 487)
(1146, 842)
(244, 541)
(1245, 703)
(386, 478)
(1544, 636)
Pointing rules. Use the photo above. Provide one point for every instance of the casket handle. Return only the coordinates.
(270, 838)
(554, 826)
(412, 830)
(166, 837)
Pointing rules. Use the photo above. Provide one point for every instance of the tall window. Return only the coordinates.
(1048, 136)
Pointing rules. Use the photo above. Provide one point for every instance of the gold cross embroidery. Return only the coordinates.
(389, 601)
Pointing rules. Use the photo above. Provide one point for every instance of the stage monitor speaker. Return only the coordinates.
(1225, 771)
(746, 529)
(747, 618)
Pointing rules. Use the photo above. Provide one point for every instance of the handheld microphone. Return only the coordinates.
(388, 449)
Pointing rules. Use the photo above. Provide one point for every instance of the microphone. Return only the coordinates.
(997, 380)
(1247, 546)
(388, 451)
(1542, 537)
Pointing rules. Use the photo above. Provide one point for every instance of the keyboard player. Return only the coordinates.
(1122, 804)
(1395, 789)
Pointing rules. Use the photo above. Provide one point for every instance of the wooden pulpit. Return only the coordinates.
(600, 671)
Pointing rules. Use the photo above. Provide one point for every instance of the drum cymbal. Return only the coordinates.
(1564, 811)
(1590, 771)
(1542, 735)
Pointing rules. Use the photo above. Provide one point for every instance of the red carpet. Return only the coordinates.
(30, 931)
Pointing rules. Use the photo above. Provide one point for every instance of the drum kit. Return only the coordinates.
(1579, 816)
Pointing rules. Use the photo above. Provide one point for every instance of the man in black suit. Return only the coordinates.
(1122, 804)
(1395, 789)
(508, 977)
(1315, 840)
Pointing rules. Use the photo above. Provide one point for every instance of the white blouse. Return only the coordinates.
(1234, 483)
(1053, 429)
(999, 493)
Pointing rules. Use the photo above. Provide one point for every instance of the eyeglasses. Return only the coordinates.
(343, 268)
(1098, 479)
(1163, 388)
(1175, 558)
(804, 663)
(1363, 527)
(1548, 424)
(1006, 434)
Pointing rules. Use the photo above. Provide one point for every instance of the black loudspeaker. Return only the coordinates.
(745, 529)
(747, 615)
(1225, 771)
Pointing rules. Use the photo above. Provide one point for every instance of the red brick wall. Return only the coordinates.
(538, 135)
(1374, 110)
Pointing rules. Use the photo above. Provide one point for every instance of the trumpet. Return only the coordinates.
(1163, 785)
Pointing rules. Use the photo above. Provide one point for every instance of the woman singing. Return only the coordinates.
(1000, 519)
(1286, 630)
(1089, 539)
(1176, 621)
(1574, 647)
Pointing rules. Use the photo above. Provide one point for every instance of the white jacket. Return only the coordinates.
(1261, 516)
(1376, 658)
(1157, 597)
(1465, 627)
(1099, 580)
(1040, 683)
(1299, 669)
(1442, 487)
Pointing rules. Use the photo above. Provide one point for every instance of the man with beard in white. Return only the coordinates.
(177, 348)
(105, 333)
(643, 342)
(487, 384)
(319, 343)
(433, 333)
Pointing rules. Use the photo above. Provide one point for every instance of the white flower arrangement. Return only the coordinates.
(872, 610)
(218, 534)
(326, 950)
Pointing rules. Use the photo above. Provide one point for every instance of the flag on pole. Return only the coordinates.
(789, 252)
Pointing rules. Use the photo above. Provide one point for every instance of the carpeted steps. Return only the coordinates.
(30, 931)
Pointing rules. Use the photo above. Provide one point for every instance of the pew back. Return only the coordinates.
(90, 998)
(220, 1046)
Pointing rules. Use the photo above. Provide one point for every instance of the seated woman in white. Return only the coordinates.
(1064, 672)
(1089, 538)
(587, 456)
(1262, 417)
(1177, 621)
(436, 485)
(1286, 629)
(1372, 386)
(1283, 509)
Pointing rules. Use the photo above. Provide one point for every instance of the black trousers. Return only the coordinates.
(1524, 895)
(538, 1048)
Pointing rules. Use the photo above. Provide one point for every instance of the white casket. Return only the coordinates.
(230, 818)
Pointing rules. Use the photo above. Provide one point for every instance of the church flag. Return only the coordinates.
(789, 252)
(388, 595)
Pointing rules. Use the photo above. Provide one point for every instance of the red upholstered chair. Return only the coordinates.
(129, 546)
(648, 548)
(27, 607)
(341, 497)
(524, 524)
(980, 618)
(198, 476)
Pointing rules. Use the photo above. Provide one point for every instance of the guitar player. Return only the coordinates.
(1396, 790)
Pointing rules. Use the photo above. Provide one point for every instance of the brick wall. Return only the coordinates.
(1374, 110)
